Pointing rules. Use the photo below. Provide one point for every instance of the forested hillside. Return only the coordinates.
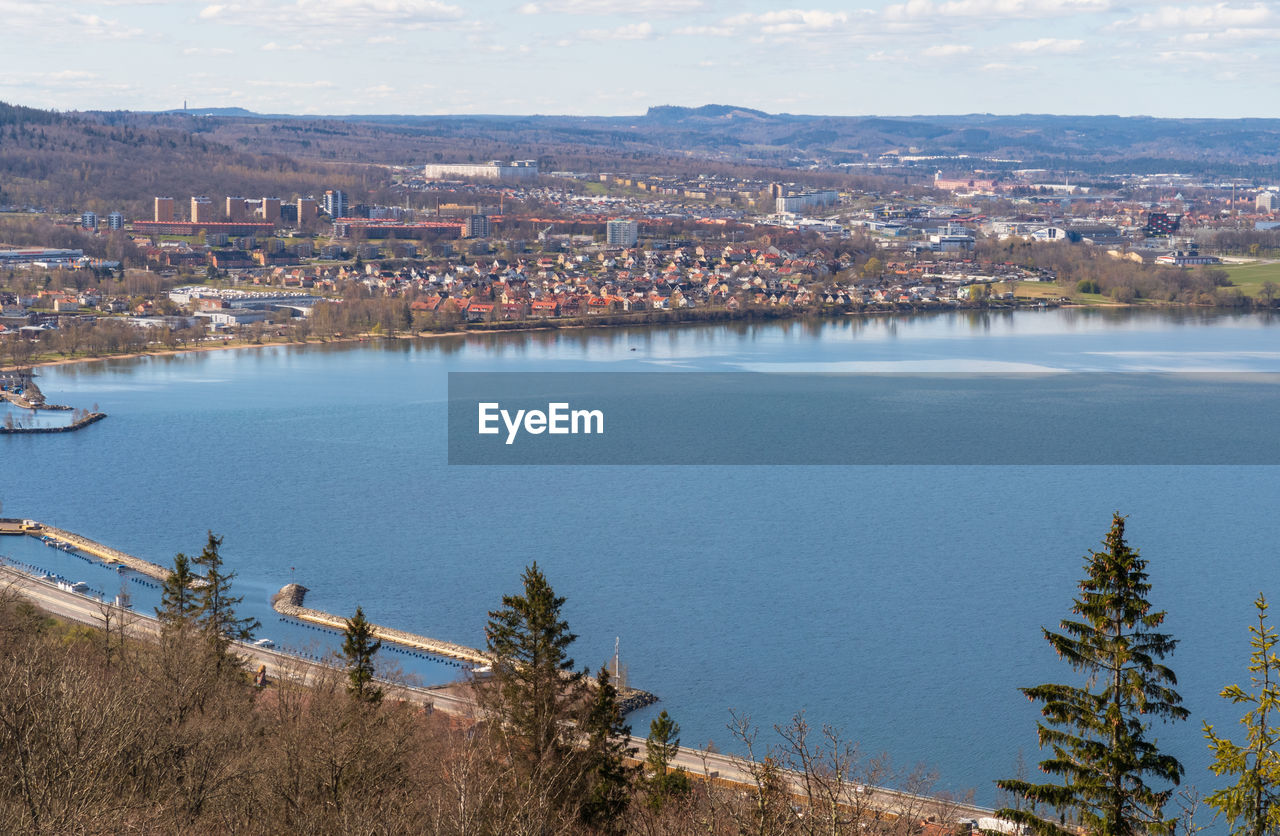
(115, 161)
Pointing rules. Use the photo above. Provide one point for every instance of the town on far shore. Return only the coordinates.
(505, 244)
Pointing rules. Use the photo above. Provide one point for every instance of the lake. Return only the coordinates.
(901, 603)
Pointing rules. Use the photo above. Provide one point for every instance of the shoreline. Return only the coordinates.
(523, 328)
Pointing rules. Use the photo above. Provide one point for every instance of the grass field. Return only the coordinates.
(1051, 290)
(1250, 277)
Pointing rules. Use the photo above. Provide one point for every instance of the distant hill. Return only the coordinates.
(735, 134)
(670, 113)
(216, 111)
(101, 159)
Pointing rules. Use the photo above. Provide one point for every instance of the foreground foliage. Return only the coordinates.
(1252, 804)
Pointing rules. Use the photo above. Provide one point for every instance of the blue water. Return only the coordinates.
(33, 418)
(903, 604)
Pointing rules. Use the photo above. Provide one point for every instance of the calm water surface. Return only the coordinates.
(903, 604)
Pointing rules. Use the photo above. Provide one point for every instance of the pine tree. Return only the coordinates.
(358, 648)
(661, 748)
(1252, 804)
(178, 601)
(608, 777)
(217, 617)
(1097, 733)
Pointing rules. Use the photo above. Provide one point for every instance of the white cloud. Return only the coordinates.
(626, 32)
(916, 10)
(71, 75)
(705, 31)
(290, 85)
(206, 50)
(612, 7)
(947, 50)
(1053, 46)
(272, 46)
(1233, 35)
(998, 67)
(789, 21)
(103, 28)
(1192, 56)
(1216, 17)
(337, 14)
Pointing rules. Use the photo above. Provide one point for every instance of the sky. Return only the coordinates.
(620, 57)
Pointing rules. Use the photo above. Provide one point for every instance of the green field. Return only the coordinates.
(1051, 290)
(1250, 277)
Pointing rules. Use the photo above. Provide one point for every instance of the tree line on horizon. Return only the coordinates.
(104, 733)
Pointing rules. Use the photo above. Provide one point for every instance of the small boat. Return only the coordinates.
(266, 643)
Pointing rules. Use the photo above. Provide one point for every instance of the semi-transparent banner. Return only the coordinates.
(601, 418)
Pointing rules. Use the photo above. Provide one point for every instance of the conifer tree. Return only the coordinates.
(535, 699)
(1097, 732)
(358, 648)
(1252, 804)
(217, 617)
(534, 687)
(178, 601)
(661, 748)
(608, 777)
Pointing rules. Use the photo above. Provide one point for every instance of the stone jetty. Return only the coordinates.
(106, 553)
(289, 601)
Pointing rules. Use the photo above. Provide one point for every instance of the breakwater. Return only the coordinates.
(104, 553)
(80, 423)
(289, 601)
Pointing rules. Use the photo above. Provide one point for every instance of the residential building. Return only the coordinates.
(237, 210)
(1266, 201)
(89, 220)
(115, 221)
(163, 210)
(477, 226)
(520, 171)
(202, 210)
(335, 203)
(269, 209)
(794, 203)
(308, 208)
(621, 232)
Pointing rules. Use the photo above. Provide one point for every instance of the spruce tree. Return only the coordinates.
(358, 648)
(1097, 732)
(534, 687)
(661, 748)
(534, 697)
(1252, 804)
(216, 616)
(178, 601)
(608, 777)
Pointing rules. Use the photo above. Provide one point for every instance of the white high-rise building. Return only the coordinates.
(622, 233)
(335, 203)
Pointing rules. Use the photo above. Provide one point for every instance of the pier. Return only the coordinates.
(289, 601)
